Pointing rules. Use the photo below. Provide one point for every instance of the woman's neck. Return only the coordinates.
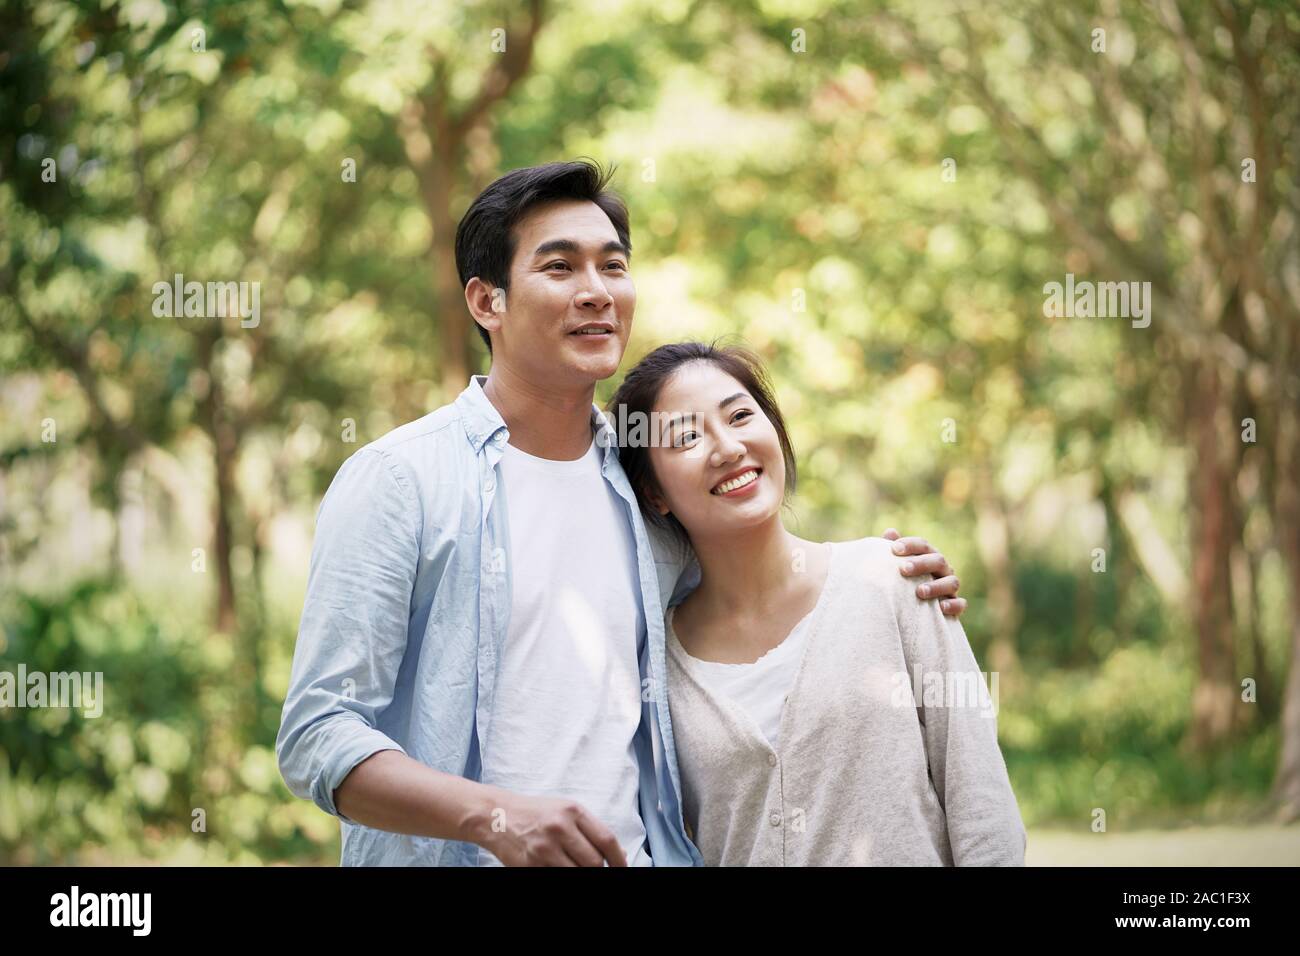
(746, 572)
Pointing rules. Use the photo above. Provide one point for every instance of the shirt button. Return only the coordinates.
(775, 818)
(490, 487)
(771, 760)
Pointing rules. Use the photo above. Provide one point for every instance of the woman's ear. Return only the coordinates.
(656, 501)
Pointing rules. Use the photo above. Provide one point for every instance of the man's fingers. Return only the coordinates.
(602, 838)
(578, 850)
(912, 546)
(939, 587)
(954, 607)
(935, 564)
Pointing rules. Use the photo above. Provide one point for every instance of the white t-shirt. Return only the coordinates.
(568, 692)
(759, 688)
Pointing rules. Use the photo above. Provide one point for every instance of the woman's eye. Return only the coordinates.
(742, 415)
(682, 439)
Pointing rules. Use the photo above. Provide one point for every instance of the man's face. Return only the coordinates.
(570, 273)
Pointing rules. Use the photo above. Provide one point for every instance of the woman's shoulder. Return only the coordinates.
(872, 553)
(871, 565)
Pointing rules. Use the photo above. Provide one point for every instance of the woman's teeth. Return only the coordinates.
(738, 482)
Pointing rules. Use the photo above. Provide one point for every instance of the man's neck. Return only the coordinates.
(544, 422)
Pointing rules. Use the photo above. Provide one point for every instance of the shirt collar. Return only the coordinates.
(483, 423)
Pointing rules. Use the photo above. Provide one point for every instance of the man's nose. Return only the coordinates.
(594, 295)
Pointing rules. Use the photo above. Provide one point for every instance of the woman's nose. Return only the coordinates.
(728, 450)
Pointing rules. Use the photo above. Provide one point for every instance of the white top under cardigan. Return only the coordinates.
(758, 688)
(888, 750)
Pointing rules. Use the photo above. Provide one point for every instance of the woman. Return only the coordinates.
(823, 714)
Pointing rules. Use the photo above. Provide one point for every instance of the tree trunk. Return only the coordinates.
(1214, 701)
(227, 619)
(454, 323)
(214, 420)
(1286, 785)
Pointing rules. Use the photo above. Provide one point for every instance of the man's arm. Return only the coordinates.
(390, 791)
(352, 635)
(921, 559)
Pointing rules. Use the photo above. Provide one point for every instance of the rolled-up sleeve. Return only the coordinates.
(961, 738)
(354, 627)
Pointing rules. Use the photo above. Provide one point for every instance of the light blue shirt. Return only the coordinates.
(408, 601)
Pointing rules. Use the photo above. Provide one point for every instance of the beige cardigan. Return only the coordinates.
(888, 752)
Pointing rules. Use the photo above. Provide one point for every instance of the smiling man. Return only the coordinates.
(480, 664)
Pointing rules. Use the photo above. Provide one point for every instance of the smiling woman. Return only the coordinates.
(790, 655)
(639, 398)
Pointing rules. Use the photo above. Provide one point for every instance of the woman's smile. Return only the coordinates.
(736, 486)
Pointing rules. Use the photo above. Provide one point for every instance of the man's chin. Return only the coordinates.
(598, 366)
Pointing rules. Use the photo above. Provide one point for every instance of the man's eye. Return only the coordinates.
(561, 264)
(616, 264)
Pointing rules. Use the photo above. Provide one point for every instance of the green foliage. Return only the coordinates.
(125, 785)
(1111, 737)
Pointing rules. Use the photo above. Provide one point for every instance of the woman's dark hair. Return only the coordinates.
(640, 391)
(485, 243)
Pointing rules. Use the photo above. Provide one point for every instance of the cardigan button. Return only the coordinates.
(771, 760)
(775, 818)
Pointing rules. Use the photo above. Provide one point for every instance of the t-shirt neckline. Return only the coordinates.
(574, 466)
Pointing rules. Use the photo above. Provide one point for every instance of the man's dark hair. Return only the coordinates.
(485, 243)
(637, 396)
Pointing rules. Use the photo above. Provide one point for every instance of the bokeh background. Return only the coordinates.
(871, 195)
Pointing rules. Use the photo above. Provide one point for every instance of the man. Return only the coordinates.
(479, 674)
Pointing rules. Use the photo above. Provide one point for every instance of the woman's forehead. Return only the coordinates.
(699, 381)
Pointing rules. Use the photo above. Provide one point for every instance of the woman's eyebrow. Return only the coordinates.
(691, 416)
(682, 419)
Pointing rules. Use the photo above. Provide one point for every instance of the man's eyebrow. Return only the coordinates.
(568, 245)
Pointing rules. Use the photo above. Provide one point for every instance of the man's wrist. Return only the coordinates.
(475, 824)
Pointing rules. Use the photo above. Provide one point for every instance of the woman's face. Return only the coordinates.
(717, 459)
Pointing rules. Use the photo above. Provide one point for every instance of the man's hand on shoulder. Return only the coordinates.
(917, 558)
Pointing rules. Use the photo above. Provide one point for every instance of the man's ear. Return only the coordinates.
(487, 304)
